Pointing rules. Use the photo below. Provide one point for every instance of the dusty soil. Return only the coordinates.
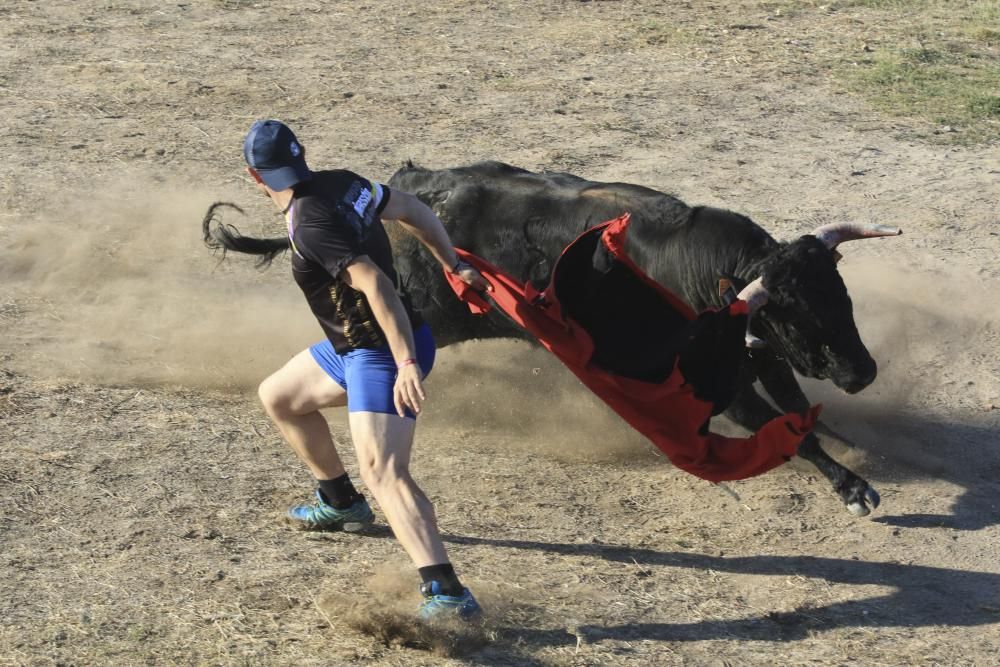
(143, 487)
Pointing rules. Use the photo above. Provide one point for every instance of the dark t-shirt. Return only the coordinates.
(334, 219)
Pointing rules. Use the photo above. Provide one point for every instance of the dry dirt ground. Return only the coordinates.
(143, 487)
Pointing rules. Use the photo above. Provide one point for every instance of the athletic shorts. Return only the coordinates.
(368, 375)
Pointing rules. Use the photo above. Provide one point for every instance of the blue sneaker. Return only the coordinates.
(321, 516)
(438, 606)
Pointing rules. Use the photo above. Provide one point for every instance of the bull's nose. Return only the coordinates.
(855, 387)
(861, 378)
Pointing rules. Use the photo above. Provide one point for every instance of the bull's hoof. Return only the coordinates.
(858, 501)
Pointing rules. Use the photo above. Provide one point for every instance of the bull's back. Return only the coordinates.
(521, 221)
(516, 219)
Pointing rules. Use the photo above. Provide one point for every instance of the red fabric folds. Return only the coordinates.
(668, 413)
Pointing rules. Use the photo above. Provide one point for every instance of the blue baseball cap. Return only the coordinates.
(273, 151)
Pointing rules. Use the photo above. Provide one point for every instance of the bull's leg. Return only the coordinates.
(778, 380)
(780, 384)
(751, 411)
(856, 493)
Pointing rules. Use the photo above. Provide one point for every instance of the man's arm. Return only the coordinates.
(364, 275)
(418, 219)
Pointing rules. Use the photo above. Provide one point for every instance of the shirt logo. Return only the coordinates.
(361, 203)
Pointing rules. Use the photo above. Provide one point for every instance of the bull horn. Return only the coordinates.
(836, 233)
(755, 294)
(753, 342)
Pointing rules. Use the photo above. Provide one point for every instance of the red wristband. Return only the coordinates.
(406, 362)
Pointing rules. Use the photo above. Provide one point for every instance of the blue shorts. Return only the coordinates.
(368, 375)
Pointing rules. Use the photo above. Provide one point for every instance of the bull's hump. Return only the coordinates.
(497, 167)
(603, 194)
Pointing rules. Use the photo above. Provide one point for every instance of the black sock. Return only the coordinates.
(339, 492)
(444, 574)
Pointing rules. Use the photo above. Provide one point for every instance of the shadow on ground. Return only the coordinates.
(924, 597)
(905, 447)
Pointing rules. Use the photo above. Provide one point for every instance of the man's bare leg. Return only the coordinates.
(293, 396)
(383, 443)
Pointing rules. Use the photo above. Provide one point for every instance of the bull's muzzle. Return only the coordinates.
(857, 378)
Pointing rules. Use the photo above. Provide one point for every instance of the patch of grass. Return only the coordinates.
(986, 105)
(984, 34)
(882, 4)
(954, 87)
(234, 4)
(983, 24)
(935, 60)
(660, 33)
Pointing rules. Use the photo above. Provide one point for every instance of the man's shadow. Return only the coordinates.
(924, 596)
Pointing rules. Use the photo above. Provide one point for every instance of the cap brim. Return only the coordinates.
(283, 178)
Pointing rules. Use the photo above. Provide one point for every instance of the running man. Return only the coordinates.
(376, 353)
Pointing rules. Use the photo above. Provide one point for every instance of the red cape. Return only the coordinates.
(667, 412)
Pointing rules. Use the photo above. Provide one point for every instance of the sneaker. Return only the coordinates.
(321, 516)
(438, 606)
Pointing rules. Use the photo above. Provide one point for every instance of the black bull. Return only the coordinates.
(521, 221)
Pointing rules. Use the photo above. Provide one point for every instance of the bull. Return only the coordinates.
(520, 221)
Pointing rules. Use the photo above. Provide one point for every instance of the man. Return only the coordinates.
(377, 351)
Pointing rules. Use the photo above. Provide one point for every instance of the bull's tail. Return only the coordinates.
(221, 236)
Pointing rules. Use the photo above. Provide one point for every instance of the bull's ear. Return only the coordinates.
(837, 257)
(727, 292)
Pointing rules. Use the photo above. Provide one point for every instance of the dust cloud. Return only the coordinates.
(936, 343)
(928, 332)
(386, 613)
(119, 288)
(936, 339)
(520, 390)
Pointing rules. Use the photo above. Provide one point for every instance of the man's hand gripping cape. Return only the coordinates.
(664, 369)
